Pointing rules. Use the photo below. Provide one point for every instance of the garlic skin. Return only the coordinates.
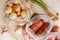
(16, 8)
(24, 14)
(8, 10)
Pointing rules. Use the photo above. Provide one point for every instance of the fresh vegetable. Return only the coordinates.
(42, 29)
(15, 10)
(52, 14)
(39, 27)
(34, 27)
(17, 13)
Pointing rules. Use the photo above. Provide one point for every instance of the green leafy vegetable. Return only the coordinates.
(52, 14)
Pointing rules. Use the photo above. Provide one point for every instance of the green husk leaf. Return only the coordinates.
(52, 14)
(41, 3)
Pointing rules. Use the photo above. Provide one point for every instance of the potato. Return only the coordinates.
(13, 15)
(24, 14)
(10, 4)
(13, 12)
(16, 8)
(18, 13)
(22, 8)
(8, 9)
